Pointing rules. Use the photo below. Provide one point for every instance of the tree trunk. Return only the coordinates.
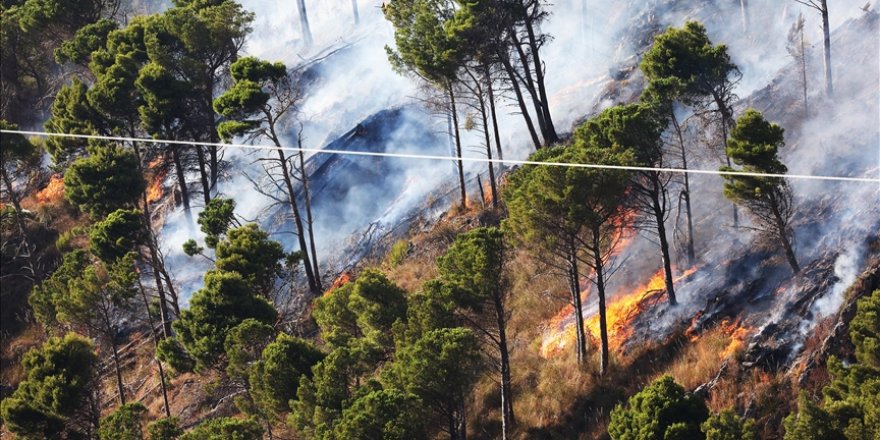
(493, 190)
(826, 38)
(460, 163)
(151, 245)
(309, 220)
(600, 290)
(304, 22)
(31, 259)
(530, 85)
(156, 343)
(206, 187)
(726, 119)
(354, 10)
(661, 233)
(575, 290)
(120, 387)
(181, 177)
(520, 100)
(686, 193)
(507, 419)
(297, 218)
(804, 73)
(782, 233)
(490, 88)
(550, 136)
(744, 12)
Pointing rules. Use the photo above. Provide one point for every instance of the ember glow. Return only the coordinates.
(53, 192)
(620, 312)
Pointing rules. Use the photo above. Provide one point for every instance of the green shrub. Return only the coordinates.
(397, 254)
(171, 351)
(661, 411)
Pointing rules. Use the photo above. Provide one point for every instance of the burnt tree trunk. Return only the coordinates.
(600, 290)
(304, 22)
(181, 177)
(457, 134)
(781, 227)
(206, 187)
(354, 10)
(550, 136)
(826, 39)
(686, 194)
(297, 218)
(661, 233)
(154, 253)
(520, 100)
(489, 89)
(309, 220)
(493, 190)
(574, 284)
(156, 343)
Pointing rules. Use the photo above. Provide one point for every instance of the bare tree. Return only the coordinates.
(796, 47)
(822, 7)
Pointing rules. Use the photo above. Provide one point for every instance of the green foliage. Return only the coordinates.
(474, 266)
(851, 405)
(216, 218)
(226, 300)
(191, 248)
(107, 179)
(58, 376)
(70, 113)
(397, 254)
(249, 251)
(171, 352)
(125, 423)
(635, 127)
(42, 297)
(660, 411)
(118, 234)
(87, 39)
(439, 368)
(167, 428)
(276, 377)
(243, 346)
(225, 428)
(15, 148)
(754, 144)
(322, 398)
(864, 330)
(365, 309)
(423, 45)
(684, 65)
(98, 297)
(726, 425)
(810, 423)
(385, 414)
(246, 103)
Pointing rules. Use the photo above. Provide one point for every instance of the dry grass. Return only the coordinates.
(701, 359)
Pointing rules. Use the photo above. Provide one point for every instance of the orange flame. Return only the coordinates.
(53, 192)
(340, 281)
(619, 312)
(156, 189)
(738, 334)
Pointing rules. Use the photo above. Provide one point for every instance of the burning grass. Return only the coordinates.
(621, 310)
(53, 192)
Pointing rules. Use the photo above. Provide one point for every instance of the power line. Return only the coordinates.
(436, 157)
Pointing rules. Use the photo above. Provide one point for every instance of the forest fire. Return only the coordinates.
(156, 189)
(620, 312)
(738, 334)
(340, 281)
(53, 192)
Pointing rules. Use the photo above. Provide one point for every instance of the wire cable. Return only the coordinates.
(437, 157)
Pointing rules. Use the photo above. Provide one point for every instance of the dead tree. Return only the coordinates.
(822, 7)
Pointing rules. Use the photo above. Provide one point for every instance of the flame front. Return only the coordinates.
(619, 312)
(53, 192)
(156, 189)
